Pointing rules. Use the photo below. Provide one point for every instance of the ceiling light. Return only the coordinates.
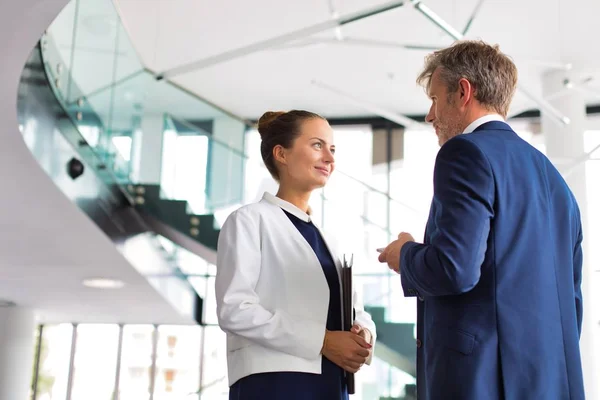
(103, 283)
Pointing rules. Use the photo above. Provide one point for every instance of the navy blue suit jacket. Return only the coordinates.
(499, 275)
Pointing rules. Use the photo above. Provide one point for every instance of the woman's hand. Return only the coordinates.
(362, 332)
(348, 350)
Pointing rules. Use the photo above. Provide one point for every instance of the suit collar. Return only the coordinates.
(482, 120)
(493, 126)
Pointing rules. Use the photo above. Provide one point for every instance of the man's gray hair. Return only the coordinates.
(491, 72)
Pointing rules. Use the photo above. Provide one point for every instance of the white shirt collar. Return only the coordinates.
(480, 121)
(287, 206)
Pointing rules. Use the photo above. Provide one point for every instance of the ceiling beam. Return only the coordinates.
(585, 157)
(278, 40)
(355, 41)
(473, 15)
(543, 105)
(375, 109)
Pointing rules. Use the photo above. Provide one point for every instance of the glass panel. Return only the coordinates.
(54, 361)
(412, 182)
(200, 285)
(136, 362)
(108, 94)
(177, 362)
(592, 233)
(95, 362)
(390, 382)
(189, 263)
(195, 167)
(214, 365)
(258, 179)
(376, 208)
(184, 165)
(226, 176)
(95, 41)
(127, 61)
(58, 47)
(205, 287)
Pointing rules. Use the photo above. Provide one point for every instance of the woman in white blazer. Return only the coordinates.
(278, 282)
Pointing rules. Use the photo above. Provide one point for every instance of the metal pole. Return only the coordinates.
(201, 377)
(118, 372)
(153, 367)
(36, 370)
(72, 362)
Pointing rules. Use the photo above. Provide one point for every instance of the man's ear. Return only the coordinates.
(279, 154)
(466, 91)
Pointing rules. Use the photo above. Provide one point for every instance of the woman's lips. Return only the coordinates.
(322, 170)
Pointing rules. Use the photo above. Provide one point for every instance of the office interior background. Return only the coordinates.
(129, 136)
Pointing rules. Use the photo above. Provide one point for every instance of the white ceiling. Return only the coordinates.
(171, 33)
(47, 245)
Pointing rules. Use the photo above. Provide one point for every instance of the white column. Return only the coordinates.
(17, 331)
(146, 154)
(565, 142)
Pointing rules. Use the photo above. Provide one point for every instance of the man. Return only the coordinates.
(498, 277)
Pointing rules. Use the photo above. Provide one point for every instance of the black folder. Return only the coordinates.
(348, 309)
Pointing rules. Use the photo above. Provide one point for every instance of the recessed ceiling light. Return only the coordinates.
(103, 283)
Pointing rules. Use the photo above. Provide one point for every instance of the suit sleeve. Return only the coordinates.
(450, 263)
(577, 273)
(238, 306)
(364, 319)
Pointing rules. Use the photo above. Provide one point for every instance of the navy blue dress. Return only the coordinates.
(330, 384)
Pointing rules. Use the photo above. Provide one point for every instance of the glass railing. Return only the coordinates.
(215, 168)
(125, 116)
(364, 218)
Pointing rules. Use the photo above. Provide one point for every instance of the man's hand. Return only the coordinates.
(391, 254)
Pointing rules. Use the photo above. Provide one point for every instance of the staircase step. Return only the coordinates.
(148, 192)
(376, 312)
(398, 337)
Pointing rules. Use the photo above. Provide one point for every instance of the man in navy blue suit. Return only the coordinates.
(498, 277)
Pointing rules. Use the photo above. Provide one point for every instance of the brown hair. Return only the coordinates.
(491, 72)
(280, 128)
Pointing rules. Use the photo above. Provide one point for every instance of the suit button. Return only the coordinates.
(419, 344)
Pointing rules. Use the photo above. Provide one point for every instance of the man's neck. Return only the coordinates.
(475, 114)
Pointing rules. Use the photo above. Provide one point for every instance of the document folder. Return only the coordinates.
(348, 309)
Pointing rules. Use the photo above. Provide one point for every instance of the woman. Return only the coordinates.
(278, 280)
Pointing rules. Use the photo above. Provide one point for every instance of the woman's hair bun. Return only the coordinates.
(265, 120)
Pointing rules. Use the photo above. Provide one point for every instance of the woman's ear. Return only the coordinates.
(279, 154)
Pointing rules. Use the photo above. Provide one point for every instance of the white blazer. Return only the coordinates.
(272, 294)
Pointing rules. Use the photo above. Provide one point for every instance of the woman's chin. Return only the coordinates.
(322, 181)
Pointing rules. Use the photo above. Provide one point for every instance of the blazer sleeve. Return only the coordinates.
(463, 204)
(364, 319)
(238, 306)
